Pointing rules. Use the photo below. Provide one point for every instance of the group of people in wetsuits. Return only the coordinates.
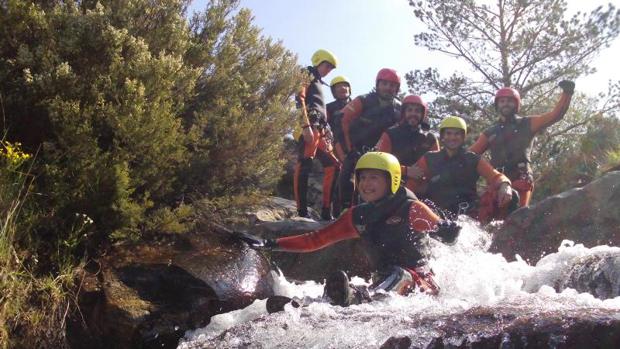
(338, 133)
(398, 183)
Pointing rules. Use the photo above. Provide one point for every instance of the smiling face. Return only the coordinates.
(506, 106)
(341, 90)
(387, 89)
(452, 138)
(414, 113)
(373, 184)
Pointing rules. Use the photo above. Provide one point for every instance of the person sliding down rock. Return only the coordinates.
(394, 227)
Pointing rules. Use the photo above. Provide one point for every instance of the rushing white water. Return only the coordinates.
(468, 275)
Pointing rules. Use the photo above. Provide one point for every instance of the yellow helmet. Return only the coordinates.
(453, 122)
(381, 161)
(321, 56)
(339, 79)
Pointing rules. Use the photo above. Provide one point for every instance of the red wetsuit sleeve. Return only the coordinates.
(341, 229)
(538, 122)
(493, 177)
(481, 145)
(350, 112)
(422, 218)
(384, 144)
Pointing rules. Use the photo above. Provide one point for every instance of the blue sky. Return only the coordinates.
(367, 35)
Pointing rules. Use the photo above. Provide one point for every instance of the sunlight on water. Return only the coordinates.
(467, 274)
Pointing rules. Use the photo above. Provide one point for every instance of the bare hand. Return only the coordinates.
(415, 172)
(504, 194)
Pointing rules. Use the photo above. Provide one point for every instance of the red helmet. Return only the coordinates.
(411, 99)
(508, 92)
(388, 74)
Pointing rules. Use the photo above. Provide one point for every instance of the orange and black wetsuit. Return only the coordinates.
(408, 144)
(364, 120)
(334, 119)
(316, 144)
(394, 234)
(510, 142)
(335, 113)
(450, 182)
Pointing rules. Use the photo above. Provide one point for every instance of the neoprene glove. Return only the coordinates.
(567, 86)
(446, 232)
(255, 242)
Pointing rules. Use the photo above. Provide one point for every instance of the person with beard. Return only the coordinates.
(365, 118)
(448, 178)
(394, 226)
(510, 139)
(411, 138)
(314, 141)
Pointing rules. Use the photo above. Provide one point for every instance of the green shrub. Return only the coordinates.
(33, 307)
(133, 109)
(137, 116)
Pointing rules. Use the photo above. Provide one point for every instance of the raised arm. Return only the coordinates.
(538, 122)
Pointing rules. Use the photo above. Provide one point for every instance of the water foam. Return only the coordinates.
(468, 275)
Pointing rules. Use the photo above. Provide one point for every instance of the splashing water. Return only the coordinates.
(468, 275)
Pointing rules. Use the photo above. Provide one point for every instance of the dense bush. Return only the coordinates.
(134, 109)
(133, 112)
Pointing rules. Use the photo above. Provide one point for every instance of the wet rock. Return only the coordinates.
(587, 215)
(276, 303)
(287, 227)
(502, 326)
(148, 295)
(598, 275)
(397, 343)
(507, 327)
(275, 209)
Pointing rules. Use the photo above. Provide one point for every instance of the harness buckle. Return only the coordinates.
(463, 207)
(366, 149)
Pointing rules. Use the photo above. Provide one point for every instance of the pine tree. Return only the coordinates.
(529, 45)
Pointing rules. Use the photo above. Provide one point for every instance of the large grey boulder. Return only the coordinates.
(598, 275)
(588, 215)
